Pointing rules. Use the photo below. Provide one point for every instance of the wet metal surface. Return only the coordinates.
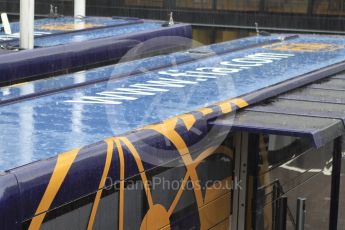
(303, 108)
(317, 95)
(331, 84)
(318, 130)
(316, 111)
(42, 127)
(59, 31)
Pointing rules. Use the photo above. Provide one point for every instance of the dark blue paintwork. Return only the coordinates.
(50, 123)
(61, 21)
(42, 127)
(125, 69)
(10, 210)
(77, 49)
(65, 30)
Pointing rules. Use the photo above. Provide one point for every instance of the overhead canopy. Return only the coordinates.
(316, 112)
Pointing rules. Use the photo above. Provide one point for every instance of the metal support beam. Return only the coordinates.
(79, 8)
(235, 206)
(27, 18)
(300, 213)
(240, 193)
(282, 213)
(336, 170)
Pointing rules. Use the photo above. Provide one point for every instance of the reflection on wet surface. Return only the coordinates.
(293, 168)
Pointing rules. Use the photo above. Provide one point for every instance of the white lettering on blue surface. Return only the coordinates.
(131, 91)
(162, 84)
(147, 87)
(96, 100)
(195, 74)
(116, 96)
(219, 70)
(167, 82)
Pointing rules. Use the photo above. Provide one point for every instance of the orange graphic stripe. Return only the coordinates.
(188, 119)
(140, 165)
(225, 107)
(241, 103)
(178, 195)
(63, 165)
(205, 111)
(208, 152)
(167, 129)
(110, 149)
(122, 184)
